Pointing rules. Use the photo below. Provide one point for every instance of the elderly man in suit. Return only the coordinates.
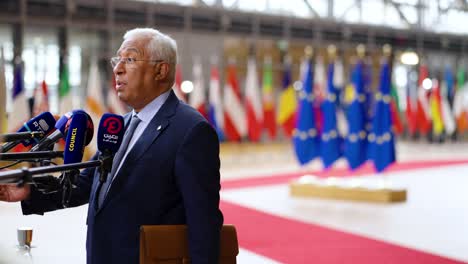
(165, 172)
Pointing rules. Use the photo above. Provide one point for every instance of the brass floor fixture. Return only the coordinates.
(346, 189)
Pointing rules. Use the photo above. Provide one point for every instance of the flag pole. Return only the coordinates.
(3, 94)
(381, 151)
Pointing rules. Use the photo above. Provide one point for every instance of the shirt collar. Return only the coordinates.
(150, 110)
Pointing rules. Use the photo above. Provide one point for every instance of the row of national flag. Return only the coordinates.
(324, 117)
(311, 114)
(21, 110)
(254, 110)
(238, 114)
(441, 108)
(359, 129)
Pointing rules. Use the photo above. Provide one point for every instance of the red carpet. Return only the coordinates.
(340, 172)
(291, 241)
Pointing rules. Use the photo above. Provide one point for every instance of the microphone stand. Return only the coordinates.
(67, 180)
(14, 139)
(26, 174)
(33, 156)
(107, 159)
(21, 136)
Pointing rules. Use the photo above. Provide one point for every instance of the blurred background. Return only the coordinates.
(251, 68)
(53, 43)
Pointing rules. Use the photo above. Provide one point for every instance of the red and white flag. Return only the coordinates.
(235, 124)
(253, 102)
(423, 110)
(197, 97)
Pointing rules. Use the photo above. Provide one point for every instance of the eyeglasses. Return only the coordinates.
(129, 62)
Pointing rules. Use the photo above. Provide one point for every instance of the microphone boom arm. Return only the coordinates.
(38, 155)
(21, 136)
(25, 175)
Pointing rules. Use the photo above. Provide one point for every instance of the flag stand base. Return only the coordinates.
(344, 189)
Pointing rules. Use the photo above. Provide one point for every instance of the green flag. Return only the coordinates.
(64, 86)
(67, 103)
(460, 77)
(394, 94)
(269, 119)
(459, 105)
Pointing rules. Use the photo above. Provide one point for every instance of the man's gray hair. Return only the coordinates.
(160, 46)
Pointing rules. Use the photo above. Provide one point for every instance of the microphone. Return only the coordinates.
(10, 137)
(73, 153)
(62, 126)
(111, 129)
(42, 123)
(60, 131)
(110, 135)
(76, 138)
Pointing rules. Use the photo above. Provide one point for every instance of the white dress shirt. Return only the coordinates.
(145, 115)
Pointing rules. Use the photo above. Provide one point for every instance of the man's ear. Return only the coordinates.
(162, 71)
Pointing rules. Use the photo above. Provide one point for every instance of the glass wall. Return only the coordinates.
(86, 46)
(6, 44)
(41, 57)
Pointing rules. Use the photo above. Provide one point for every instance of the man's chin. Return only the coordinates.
(121, 97)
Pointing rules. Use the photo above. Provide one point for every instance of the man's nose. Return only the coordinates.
(119, 68)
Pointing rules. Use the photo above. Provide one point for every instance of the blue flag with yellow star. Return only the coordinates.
(381, 136)
(305, 136)
(355, 144)
(330, 149)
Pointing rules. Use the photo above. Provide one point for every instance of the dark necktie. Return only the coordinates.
(117, 159)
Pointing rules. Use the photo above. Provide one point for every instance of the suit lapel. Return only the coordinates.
(155, 128)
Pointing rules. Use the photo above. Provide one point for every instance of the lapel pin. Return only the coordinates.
(159, 128)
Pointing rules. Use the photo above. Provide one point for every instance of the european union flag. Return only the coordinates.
(305, 135)
(330, 140)
(381, 137)
(356, 114)
(367, 90)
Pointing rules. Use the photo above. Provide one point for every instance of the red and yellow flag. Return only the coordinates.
(287, 103)
(436, 109)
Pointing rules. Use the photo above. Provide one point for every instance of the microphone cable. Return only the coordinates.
(11, 164)
(31, 161)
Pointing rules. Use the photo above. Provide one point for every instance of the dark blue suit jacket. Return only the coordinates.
(170, 176)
